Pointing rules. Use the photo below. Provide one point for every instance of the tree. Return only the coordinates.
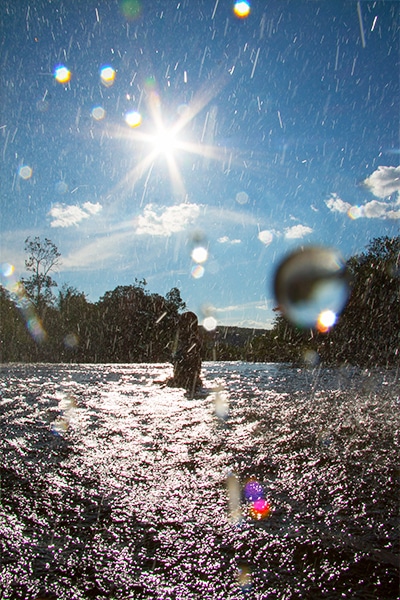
(368, 331)
(43, 258)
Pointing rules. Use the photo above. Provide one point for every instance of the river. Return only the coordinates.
(115, 486)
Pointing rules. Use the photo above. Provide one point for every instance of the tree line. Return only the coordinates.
(130, 324)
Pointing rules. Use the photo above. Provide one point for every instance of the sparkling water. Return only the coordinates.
(116, 486)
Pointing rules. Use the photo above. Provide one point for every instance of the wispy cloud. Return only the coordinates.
(99, 253)
(164, 221)
(384, 182)
(297, 232)
(249, 314)
(64, 215)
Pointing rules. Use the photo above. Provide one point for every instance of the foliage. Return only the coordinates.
(368, 331)
(129, 324)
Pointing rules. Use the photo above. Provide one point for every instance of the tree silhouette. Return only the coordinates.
(43, 258)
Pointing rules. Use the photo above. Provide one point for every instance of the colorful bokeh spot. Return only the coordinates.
(131, 9)
(133, 118)
(62, 74)
(107, 76)
(260, 509)
(254, 494)
(150, 82)
(9, 282)
(98, 113)
(241, 9)
(25, 172)
(253, 490)
(197, 272)
(326, 320)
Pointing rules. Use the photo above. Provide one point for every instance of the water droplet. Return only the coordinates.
(253, 490)
(210, 323)
(25, 172)
(107, 76)
(98, 113)
(266, 237)
(62, 74)
(311, 287)
(133, 118)
(199, 254)
(260, 509)
(197, 272)
(242, 9)
(242, 198)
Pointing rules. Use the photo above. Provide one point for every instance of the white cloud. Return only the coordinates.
(371, 210)
(163, 221)
(379, 210)
(68, 215)
(92, 208)
(297, 231)
(384, 182)
(226, 240)
(336, 204)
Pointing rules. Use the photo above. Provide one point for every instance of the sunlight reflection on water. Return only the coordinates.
(137, 483)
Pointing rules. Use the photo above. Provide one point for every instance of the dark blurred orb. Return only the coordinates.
(312, 287)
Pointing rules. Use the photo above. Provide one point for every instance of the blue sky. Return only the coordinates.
(246, 137)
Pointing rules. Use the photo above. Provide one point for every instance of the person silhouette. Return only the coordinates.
(187, 358)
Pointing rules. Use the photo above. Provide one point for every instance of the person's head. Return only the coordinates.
(188, 322)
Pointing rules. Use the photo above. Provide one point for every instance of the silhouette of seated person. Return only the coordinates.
(187, 358)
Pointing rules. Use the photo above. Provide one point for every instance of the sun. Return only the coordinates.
(165, 141)
(161, 139)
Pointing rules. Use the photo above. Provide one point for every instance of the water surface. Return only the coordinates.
(114, 486)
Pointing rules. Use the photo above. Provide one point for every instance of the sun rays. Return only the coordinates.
(154, 139)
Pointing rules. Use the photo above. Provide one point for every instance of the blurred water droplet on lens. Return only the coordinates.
(199, 254)
(242, 9)
(234, 505)
(253, 490)
(311, 287)
(7, 270)
(326, 320)
(98, 113)
(25, 172)
(266, 237)
(61, 187)
(260, 509)
(107, 76)
(221, 404)
(133, 118)
(131, 9)
(210, 323)
(71, 341)
(311, 357)
(197, 272)
(244, 577)
(182, 109)
(42, 106)
(355, 212)
(62, 74)
(242, 198)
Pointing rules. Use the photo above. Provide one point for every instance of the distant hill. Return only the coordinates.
(230, 343)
